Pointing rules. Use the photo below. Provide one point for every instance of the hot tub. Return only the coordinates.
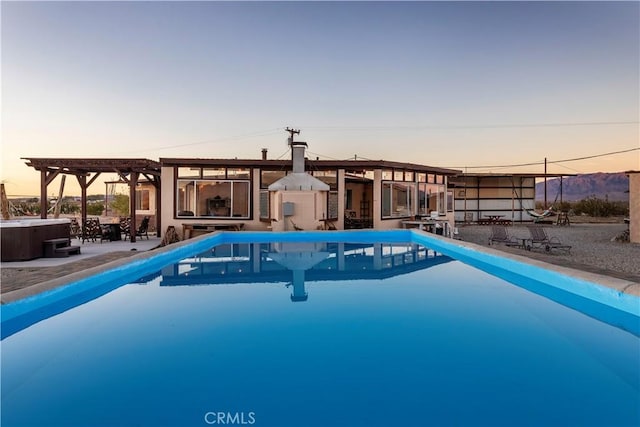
(22, 238)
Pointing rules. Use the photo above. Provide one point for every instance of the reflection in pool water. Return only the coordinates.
(292, 262)
(319, 334)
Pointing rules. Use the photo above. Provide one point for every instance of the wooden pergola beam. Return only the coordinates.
(129, 171)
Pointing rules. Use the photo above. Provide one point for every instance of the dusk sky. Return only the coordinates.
(449, 84)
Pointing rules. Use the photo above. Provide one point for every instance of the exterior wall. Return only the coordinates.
(309, 208)
(634, 207)
(167, 191)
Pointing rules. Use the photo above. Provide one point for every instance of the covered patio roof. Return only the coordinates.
(87, 170)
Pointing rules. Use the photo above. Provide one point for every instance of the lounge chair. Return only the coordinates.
(499, 234)
(540, 240)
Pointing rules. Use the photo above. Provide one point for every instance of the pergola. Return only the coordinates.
(129, 170)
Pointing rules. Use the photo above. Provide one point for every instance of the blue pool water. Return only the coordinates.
(274, 330)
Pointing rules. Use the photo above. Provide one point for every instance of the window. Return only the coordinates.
(386, 199)
(238, 173)
(348, 199)
(213, 198)
(328, 177)
(397, 199)
(269, 177)
(240, 200)
(142, 200)
(215, 173)
(188, 172)
(431, 197)
(450, 201)
(186, 198)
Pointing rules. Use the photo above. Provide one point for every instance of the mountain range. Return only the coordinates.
(611, 186)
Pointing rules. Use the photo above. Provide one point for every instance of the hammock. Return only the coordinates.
(536, 216)
(539, 216)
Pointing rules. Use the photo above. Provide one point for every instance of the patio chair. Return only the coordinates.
(499, 234)
(540, 240)
(91, 230)
(125, 226)
(75, 229)
(143, 229)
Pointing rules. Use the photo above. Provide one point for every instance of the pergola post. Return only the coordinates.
(46, 176)
(133, 183)
(82, 180)
(43, 194)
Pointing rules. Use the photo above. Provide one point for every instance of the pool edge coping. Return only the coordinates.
(621, 286)
(48, 285)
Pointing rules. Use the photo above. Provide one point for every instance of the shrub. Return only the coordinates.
(120, 204)
(592, 206)
(597, 207)
(95, 208)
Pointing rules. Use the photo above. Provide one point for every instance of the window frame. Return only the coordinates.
(407, 212)
(195, 195)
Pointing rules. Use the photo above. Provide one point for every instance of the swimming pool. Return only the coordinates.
(345, 328)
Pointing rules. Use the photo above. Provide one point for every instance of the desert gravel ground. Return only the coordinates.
(593, 247)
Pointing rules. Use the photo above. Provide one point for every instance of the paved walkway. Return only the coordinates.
(22, 274)
(22, 277)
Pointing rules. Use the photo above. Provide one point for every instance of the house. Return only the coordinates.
(300, 194)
